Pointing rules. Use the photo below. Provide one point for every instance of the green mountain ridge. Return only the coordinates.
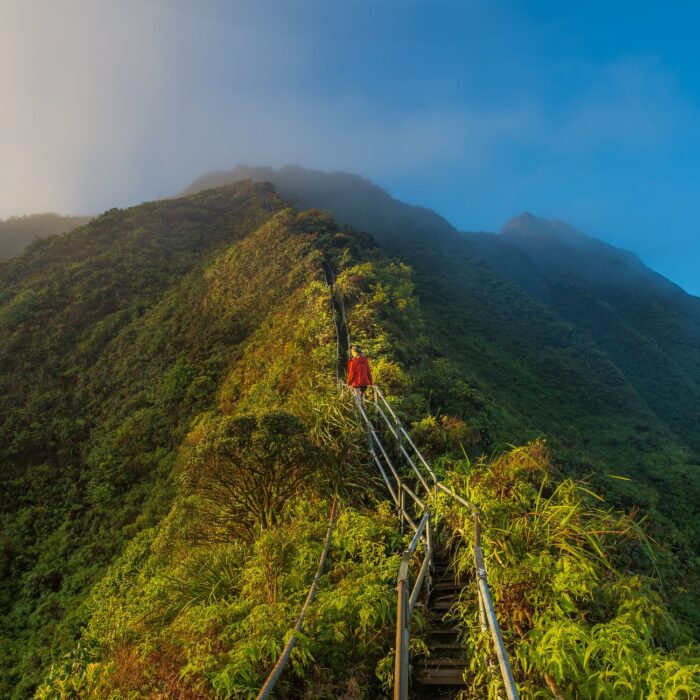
(469, 284)
(139, 352)
(605, 365)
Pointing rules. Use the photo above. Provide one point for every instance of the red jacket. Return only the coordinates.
(358, 372)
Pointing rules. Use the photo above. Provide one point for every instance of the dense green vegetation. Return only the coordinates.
(172, 438)
(567, 336)
(580, 619)
(109, 346)
(17, 232)
(119, 341)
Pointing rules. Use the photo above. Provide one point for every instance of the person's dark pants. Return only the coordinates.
(359, 393)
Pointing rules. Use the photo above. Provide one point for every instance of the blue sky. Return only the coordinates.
(481, 110)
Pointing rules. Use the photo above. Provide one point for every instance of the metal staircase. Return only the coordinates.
(411, 483)
(441, 675)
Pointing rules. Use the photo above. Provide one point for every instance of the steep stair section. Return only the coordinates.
(441, 675)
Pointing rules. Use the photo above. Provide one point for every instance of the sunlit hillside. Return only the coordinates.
(173, 437)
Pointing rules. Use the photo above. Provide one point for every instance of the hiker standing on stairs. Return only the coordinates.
(359, 373)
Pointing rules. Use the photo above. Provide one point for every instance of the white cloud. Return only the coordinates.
(109, 103)
(77, 80)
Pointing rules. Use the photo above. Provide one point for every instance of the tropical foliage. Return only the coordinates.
(581, 617)
(172, 437)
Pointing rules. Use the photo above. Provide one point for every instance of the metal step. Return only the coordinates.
(434, 692)
(444, 675)
(446, 584)
(446, 635)
(445, 593)
(440, 662)
(444, 647)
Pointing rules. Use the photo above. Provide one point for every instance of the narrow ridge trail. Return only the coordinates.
(426, 578)
(440, 673)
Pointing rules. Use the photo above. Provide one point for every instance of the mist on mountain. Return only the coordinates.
(541, 309)
(554, 245)
(17, 232)
(349, 198)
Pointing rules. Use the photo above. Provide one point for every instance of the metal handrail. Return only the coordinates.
(378, 394)
(487, 610)
(406, 598)
(487, 614)
(397, 430)
(406, 602)
(374, 439)
(277, 669)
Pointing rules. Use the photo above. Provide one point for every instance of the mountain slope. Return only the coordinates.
(647, 325)
(106, 353)
(497, 304)
(569, 337)
(173, 436)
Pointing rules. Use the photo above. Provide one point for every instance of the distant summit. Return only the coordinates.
(562, 252)
(527, 231)
(351, 199)
(531, 226)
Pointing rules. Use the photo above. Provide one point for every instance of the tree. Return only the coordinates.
(243, 471)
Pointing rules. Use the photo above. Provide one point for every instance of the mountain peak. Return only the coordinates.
(528, 225)
(351, 199)
(564, 252)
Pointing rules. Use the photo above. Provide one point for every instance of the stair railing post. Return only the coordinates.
(407, 643)
(402, 506)
(398, 437)
(483, 622)
(402, 633)
(429, 577)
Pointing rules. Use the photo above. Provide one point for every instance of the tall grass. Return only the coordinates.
(577, 621)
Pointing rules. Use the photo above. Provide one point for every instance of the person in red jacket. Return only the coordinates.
(359, 373)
